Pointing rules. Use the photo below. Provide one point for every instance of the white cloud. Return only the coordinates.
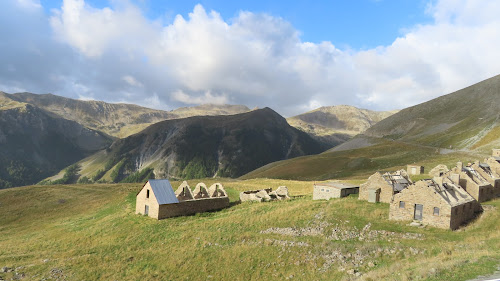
(29, 4)
(206, 98)
(132, 81)
(117, 53)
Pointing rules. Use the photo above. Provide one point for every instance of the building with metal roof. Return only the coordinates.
(157, 199)
(327, 190)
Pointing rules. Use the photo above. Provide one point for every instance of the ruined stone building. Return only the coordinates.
(438, 202)
(158, 200)
(415, 170)
(264, 195)
(439, 171)
(477, 179)
(327, 190)
(382, 187)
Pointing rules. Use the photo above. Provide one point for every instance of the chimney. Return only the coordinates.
(460, 166)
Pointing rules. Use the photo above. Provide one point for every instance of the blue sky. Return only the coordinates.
(292, 56)
(358, 24)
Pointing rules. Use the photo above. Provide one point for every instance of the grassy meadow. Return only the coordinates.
(90, 232)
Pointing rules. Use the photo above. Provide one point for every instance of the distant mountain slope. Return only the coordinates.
(466, 119)
(35, 143)
(461, 126)
(196, 147)
(334, 125)
(119, 120)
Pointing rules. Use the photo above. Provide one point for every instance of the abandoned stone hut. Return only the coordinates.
(477, 179)
(415, 169)
(158, 200)
(327, 190)
(439, 170)
(382, 187)
(437, 202)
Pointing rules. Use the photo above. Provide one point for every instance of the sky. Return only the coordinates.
(292, 56)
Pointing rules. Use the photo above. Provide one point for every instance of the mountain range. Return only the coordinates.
(122, 142)
(42, 136)
(117, 119)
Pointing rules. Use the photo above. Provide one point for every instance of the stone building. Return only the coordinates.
(439, 171)
(415, 169)
(477, 179)
(437, 202)
(382, 187)
(329, 190)
(158, 200)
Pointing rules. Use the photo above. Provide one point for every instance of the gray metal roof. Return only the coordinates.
(337, 185)
(484, 165)
(163, 191)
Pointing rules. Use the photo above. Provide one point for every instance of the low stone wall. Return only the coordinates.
(191, 207)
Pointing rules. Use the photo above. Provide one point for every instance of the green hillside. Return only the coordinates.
(90, 232)
(466, 119)
(386, 155)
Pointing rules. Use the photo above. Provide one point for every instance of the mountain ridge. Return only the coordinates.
(334, 125)
(116, 119)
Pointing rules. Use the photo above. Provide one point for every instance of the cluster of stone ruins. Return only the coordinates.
(450, 199)
(265, 195)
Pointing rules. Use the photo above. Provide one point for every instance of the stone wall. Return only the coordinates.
(376, 181)
(481, 193)
(324, 192)
(419, 193)
(142, 201)
(191, 207)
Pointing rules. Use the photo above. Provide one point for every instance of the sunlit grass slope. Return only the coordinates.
(357, 163)
(90, 232)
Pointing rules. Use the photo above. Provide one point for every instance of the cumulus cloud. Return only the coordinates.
(117, 54)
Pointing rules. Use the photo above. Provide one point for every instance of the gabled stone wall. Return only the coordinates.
(377, 181)
(142, 201)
